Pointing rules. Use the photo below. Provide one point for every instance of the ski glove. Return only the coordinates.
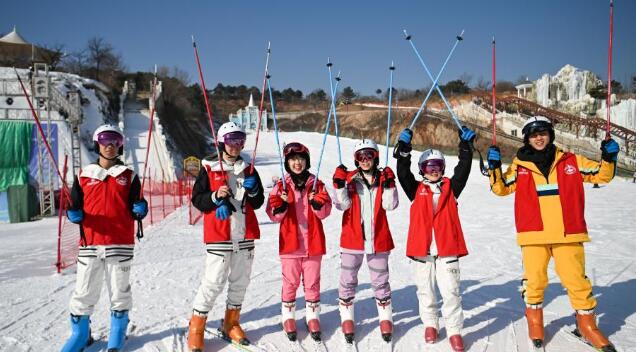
(389, 178)
(609, 150)
(340, 177)
(250, 183)
(319, 200)
(140, 209)
(75, 215)
(222, 211)
(494, 157)
(403, 146)
(466, 134)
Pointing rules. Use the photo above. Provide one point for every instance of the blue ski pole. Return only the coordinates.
(388, 119)
(435, 83)
(428, 72)
(280, 157)
(324, 137)
(333, 107)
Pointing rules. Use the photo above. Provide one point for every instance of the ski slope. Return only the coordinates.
(169, 261)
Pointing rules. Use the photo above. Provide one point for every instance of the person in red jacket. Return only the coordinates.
(365, 194)
(227, 195)
(435, 238)
(105, 202)
(299, 209)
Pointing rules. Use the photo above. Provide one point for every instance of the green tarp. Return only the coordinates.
(15, 149)
(23, 203)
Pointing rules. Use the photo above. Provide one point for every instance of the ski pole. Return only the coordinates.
(333, 106)
(280, 157)
(494, 93)
(207, 108)
(41, 131)
(609, 70)
(388, 119)
(428, 72)
(152, 114)
(459, 38)
(260, 107)
(324, 137)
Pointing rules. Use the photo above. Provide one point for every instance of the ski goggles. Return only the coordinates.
(295, 148)
(107, 138)
(433, 165)
(234, 139)
(365, 155)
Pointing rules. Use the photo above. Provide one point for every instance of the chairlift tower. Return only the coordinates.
(40, 88)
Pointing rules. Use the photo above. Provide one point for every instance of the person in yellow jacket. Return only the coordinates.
(550, 222)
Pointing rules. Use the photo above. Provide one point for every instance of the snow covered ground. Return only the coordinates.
(169, 261)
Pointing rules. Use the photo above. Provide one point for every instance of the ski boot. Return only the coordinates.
(430, 334)
(231, 326)
(385, 316)
(534, 317)
(586, 329)
(288, 311)
(80, 334)
(457, 343)
(118, 326)
(312, 316)
(345, 307)
(196, 332)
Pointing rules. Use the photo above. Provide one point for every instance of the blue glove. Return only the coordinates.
(75, 216)
(405, 136)
(609, 150)
(250, 183)
(466, 134)
(140, 209)
(494, 157)
(222, 211)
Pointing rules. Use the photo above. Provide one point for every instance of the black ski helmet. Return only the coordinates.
(296, 148)
(537, 124)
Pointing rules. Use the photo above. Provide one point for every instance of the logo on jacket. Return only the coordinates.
(122, 180)
(570, 170)
(93, 182)
(523, 172)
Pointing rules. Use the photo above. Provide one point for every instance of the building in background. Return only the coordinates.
(248, 117)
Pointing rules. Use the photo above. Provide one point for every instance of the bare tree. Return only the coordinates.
(466, 77)
(482, 84)
(102, 56)
(52, 54)
(75, 62)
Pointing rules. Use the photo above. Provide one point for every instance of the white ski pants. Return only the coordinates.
(234, 267)
(96, 263)
(443, 271)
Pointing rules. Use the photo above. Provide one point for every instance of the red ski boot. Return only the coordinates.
(587, 329)
(534, 316)
(457, 343)
(430, 335)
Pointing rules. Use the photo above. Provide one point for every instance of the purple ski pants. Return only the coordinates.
(378, 264)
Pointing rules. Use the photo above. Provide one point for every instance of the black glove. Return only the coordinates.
(609, 150)
(281, 209)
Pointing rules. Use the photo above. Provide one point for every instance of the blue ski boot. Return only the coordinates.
(118, 325)
(80, 334)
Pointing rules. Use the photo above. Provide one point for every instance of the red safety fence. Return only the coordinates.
(163, 199)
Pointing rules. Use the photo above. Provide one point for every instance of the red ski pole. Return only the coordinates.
(260, 107)
(494, 93)
(207, 108)
(609, 69)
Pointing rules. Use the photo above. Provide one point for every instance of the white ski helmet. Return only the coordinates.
(107, 128)
(366, 144)
(226, 128)
(537, 124)
(430, 154)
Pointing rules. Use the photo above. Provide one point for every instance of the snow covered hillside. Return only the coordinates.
(169, 261)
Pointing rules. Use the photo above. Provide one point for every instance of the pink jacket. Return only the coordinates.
(302, 207)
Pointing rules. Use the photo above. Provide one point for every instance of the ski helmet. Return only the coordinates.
(230, 133)
(536, 124)
(368, 146)
(295, 148)
(108, 134)
(433, 157)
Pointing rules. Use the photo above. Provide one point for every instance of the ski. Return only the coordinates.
(575, 336)
(386, 346)
(293, 345)
(533, 348)
(245, 348)
(318, 346)
(349, 346)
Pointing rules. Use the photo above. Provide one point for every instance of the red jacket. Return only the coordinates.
(288, 232)
(352, 232)
(571, 195)
(215, 230)
(106, 203)
(448, 230)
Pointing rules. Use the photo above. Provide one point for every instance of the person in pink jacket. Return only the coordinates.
(299, 209)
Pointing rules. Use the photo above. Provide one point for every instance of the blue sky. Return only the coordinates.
(361, 37)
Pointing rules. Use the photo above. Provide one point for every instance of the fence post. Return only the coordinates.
(150, 198)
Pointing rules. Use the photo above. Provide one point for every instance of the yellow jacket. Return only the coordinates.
(550, 205)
